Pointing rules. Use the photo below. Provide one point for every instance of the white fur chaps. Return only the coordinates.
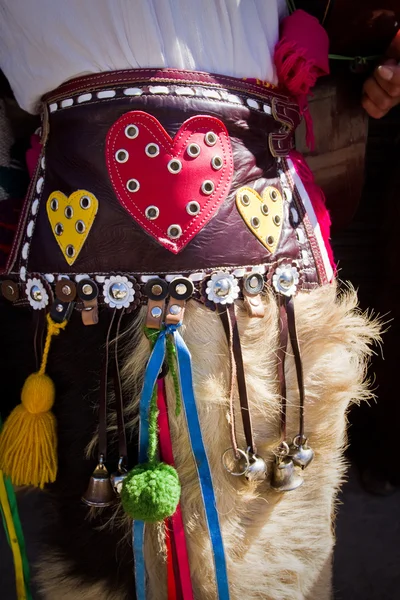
(279, 546)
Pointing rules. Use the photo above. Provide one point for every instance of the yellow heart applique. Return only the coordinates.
(71, 219)
(263, 215)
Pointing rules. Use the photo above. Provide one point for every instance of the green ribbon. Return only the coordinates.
(12, 500)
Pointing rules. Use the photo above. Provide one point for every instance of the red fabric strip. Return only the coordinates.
(177, 527)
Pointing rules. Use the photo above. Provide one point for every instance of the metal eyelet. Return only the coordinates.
(174, 166)
(253, 283)
(152, 150)
(70, 251)
(54, 204)
(245, 200)
(274, 195)
(152, 212)
(121, 156)
(132, 185)
(85, 202)
(193, 208)
(69, 212)
(59, 229)
(277, 220)
(80, 226)
(156, 289)
(264, 209)
(217, 163)
(210, 138)
(270, 240)
(174, 232)
(193, 150)
(181, 288)
(207, 187)
(255, 222)
(131, 131)
(87, 289)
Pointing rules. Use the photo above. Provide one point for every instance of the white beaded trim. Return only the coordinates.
(200, 92)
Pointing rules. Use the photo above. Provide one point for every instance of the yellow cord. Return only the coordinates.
(18, 568)
(52, 329)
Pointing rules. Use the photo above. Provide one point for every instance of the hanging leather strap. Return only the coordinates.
(297, 359)
(119, 400)
(227, 325)
(281, 355)
(103, 395)
(232, 332)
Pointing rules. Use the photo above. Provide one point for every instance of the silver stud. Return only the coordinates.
(54, 204)
(270, 240)
(255, 222)
(66, 290)
(207, 187)
(119, 290)
(217, 163)
(181, 289)
(193, 150)
(286, 279)
(85, 202)
(121, 156)
(174, 166)
(69, 212)
(131, 131)
(274, 195)
(152, 150)
(222, 287)
(193, 208)
(59, 229)
(156, 290)
(36, 293)
(175, 309)
(87, 289)
(277, 220)
(59, 308)
(80, 226)
(156, 312)
(70, 250)
(245, 200)
(174, 231)
(133, 185)
(210, 138)
(152, 212)
(253, 282)
(264, 209)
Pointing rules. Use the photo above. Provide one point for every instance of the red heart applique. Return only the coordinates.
(171, 187)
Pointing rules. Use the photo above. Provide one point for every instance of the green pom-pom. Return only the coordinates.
(151, 492)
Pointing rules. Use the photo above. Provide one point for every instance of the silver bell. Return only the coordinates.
(284, 476)
(99, 492)
(117, 479)
(300, 452)
(257, 469)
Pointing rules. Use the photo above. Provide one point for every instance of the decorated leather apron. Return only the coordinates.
(169, 243)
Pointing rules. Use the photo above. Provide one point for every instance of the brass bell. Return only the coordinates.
(300, 452)
(257, 469)
(117, 479)
(284, 476)
(100, 491)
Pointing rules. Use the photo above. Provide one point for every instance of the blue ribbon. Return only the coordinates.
(201, 461)
(153, 369)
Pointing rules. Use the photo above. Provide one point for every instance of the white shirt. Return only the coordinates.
(45, 42)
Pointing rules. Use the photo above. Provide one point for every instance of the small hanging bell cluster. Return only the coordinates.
(289, 460)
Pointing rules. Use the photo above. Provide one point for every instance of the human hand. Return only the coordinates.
(381, 91)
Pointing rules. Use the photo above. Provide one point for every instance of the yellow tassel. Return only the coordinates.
(28, 441)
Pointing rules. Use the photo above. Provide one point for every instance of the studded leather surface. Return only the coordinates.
(74, 159)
